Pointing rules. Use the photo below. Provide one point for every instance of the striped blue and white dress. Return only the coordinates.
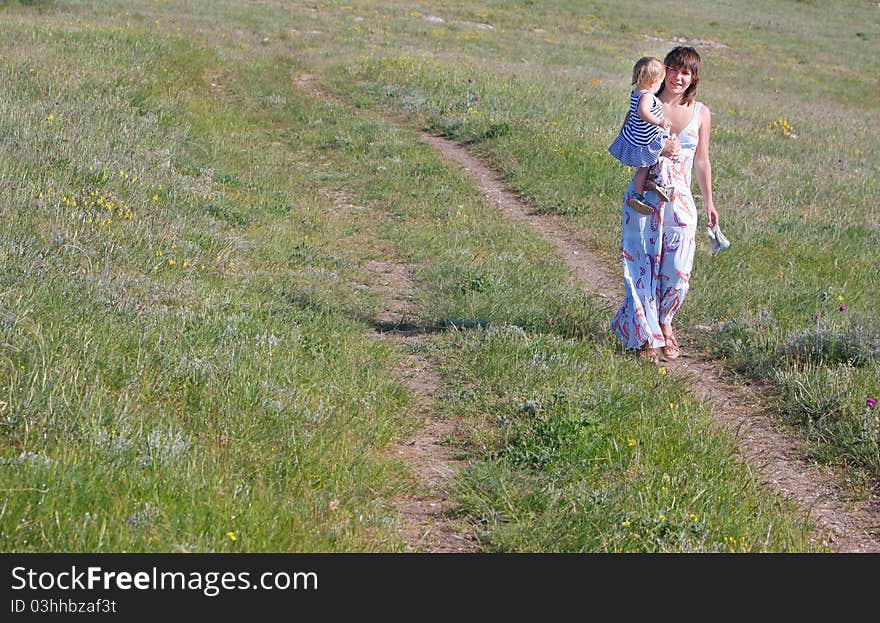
(639, 143)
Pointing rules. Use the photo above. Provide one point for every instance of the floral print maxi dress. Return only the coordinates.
(657, 250)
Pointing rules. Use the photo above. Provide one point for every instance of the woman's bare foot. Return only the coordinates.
(649, 354)
(671, 350)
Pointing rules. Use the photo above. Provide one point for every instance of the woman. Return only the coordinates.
(658, 249)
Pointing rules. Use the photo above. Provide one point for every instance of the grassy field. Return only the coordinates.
(187, 354)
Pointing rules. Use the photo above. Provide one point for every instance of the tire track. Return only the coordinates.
(427, 524)
(776, 457)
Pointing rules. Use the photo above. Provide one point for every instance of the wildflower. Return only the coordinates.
(158, 253)
(661, 371)
(871, 402)
(186, 263)
(840, 298)
(817, 315)
(625, 524)
(843, 307)
(155, 197)
(694, 517)
(232, 536)
(630, 442)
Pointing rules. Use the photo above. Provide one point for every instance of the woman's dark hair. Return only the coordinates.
(684, 57)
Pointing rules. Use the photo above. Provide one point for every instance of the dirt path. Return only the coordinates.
(427, 525)
(777, 457)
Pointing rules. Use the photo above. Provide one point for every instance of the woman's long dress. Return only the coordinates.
(657, 250)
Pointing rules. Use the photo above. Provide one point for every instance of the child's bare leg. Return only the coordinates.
(654, 183)
(639, 180)
(637, 201)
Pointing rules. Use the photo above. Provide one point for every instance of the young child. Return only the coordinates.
(642, 136)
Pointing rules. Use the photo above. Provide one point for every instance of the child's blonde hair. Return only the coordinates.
(647, 70)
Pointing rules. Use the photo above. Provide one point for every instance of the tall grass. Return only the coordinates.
(174, 376)
(793, 130)
(186, 361)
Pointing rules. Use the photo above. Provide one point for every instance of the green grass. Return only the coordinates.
(585, 451)
(174, 376)
(791, 199)
(194, 368)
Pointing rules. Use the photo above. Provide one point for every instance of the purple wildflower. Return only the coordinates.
(871, 402)
(843, 307)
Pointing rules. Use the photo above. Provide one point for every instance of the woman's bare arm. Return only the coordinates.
(703, 166)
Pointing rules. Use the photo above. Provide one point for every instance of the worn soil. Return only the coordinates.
(778, 458)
